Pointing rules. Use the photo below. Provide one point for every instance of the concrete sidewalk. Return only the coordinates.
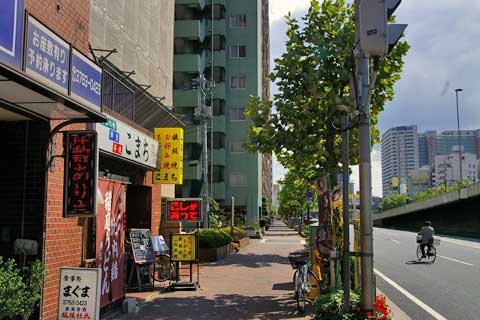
(255, 283)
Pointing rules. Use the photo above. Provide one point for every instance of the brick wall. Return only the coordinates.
(68, 18)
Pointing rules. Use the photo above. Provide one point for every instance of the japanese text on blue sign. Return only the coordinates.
(47, 56)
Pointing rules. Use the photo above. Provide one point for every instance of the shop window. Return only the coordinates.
(238, 21)
(117, 97)
(238, 82)
(238, 179)
(218, 12)
(237, 114)
(218, 140)
(186, 12)
(238, 51)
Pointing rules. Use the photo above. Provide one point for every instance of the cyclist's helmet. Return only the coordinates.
(428, 223)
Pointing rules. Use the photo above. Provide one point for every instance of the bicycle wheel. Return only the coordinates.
(432, 256)
(419, 253)
(300, 294)
(164, 268)
(295, 276)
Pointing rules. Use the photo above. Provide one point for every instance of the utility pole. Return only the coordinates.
(232, 217)
(346, 216)
(211, 97)
(205, 114)
(366, 223)
(458, 135)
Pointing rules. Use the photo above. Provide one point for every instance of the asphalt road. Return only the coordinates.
(446, 289)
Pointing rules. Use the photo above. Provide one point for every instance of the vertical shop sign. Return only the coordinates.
(184, 210)
(337, 219)
(79, 295)
(80, 173)
(47, 56)
(171, 156)
(11, 35)
(184, 247)
(110, 241)
(86, 81)
(324, 230)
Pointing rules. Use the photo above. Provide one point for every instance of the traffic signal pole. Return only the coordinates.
(366, 223)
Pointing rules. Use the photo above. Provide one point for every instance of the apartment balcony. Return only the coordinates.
(218, 190)
(190, 29)
(192, 134)
(219, 158)
(219, 124)
(192, 170)
(186, 98)
(219, 26)
(188, 62)
(219, 58)
(220, 90)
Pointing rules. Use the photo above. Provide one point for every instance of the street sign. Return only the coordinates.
(309, 196)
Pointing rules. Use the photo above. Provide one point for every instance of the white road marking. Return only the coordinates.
(468, 264)
(459, 243)
(410, 296)
(393, 240)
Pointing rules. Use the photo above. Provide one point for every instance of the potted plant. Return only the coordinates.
(239, 235)
(263, 224)
(214, 244)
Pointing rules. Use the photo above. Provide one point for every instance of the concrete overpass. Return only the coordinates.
(455, 212)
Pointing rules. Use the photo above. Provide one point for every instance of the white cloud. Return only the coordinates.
(280, 8)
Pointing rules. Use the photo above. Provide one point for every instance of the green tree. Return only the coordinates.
(314, 75)
(292, 199)
(395, 201)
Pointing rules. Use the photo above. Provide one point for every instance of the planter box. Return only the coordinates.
(244, 242)
(214, 254)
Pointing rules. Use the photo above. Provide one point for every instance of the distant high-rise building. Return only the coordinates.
(399, 154)
(275, 191)
(447, 168)
(419, 180)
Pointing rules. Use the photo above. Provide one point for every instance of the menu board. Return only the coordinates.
(184, 247)
(141, 245)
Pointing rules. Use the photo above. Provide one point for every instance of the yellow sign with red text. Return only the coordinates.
(184, 247)
(171, 156)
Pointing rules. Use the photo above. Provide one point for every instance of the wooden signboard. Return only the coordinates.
(141, 245)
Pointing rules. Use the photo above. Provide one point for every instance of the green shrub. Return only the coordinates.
(19, 290)
(213, 238)
(238, 233)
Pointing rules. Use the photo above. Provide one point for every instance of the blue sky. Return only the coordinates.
(444, 55)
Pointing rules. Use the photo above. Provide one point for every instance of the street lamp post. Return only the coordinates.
(458, 134)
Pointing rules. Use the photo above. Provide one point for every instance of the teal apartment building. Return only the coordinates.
(240, 56)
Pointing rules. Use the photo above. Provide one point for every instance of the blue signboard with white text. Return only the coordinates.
(47, 56)
(11, 27)
(86, 80)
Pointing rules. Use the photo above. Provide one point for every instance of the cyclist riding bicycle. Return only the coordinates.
(427, 233)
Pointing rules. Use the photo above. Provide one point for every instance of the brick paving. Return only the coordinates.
(255, 283)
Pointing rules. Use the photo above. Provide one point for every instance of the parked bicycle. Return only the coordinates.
(303, 278)
(163, 265)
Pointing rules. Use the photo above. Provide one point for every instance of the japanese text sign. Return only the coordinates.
(86, 81)
(171, 156)
(121, 140)
(80, 173)
(47, 56)
(11, 35)
(184, 247)
(141, 245)
(79, 295)
(184, 210)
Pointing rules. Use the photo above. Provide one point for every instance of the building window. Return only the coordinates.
(218, 174)
(186, 46)
(218, 140)
(218, 12)
(238, 82)
(238, 51)
(237, 147)
(218, 106)
(238, 179)
(186, 12)
(238, 21)
(218, 74)
(117, 97)
(237, 114)
(183, 80)
(218, 42)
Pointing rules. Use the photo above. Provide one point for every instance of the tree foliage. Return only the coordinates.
(314, 75)
(292, 195)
